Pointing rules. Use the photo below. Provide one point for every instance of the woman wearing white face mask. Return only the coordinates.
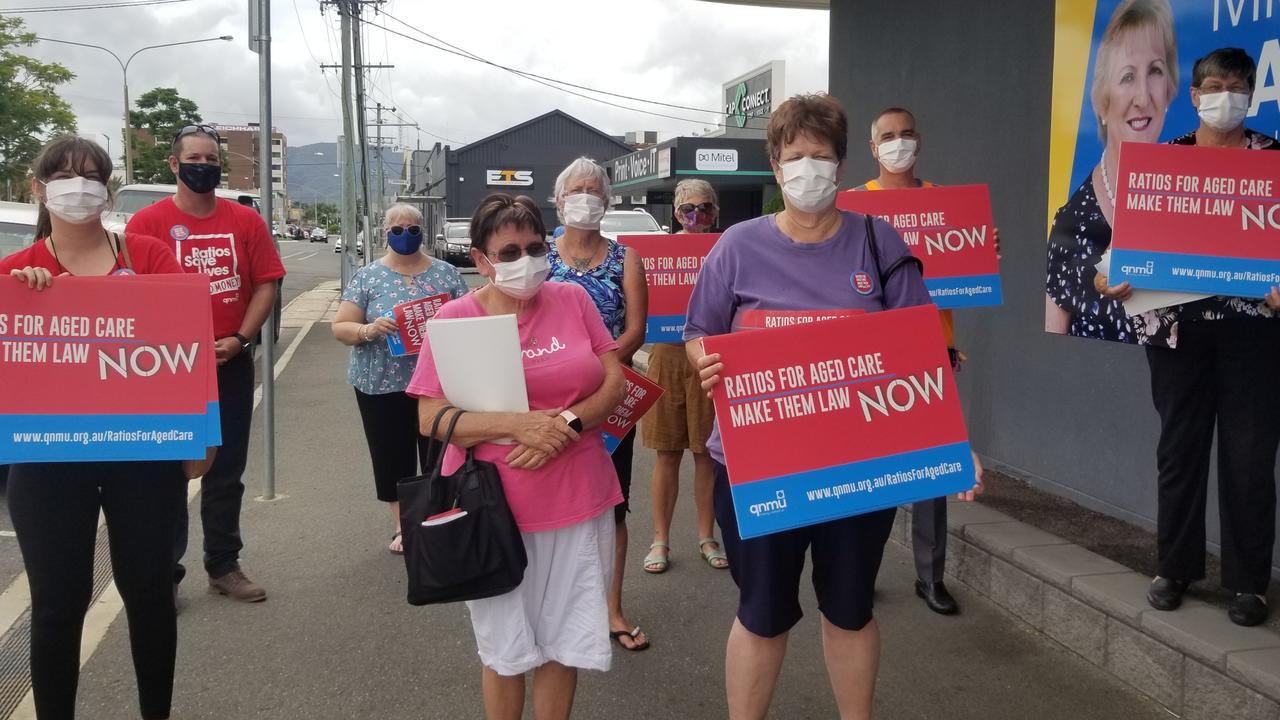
(811, 256)
(55, 505)
(1213, 363)
(614, 278)
(557, 478)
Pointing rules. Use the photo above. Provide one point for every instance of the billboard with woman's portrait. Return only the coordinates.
(1121, 73)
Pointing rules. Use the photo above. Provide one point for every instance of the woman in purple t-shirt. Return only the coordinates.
(810, 256)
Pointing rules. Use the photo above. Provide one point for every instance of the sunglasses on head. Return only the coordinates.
(705, 208)
(413, 230)
(197, 129)
(511, 253)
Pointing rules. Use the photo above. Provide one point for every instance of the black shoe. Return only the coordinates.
(937, 598)
(1247, 609)
(1166, 594)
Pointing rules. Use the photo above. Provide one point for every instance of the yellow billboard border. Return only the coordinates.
(1072, 42)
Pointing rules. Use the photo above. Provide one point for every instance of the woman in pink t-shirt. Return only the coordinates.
(558, 478)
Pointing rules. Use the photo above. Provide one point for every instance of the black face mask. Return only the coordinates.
(200, 177)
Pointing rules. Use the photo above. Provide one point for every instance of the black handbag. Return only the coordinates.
(460, 539)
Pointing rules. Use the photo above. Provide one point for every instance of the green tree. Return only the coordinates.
(160, 113)
(774, 205)
(30, 109)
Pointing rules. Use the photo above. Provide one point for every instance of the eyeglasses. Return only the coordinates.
(197, 129)
(413, 230)
(511, 253)
(705, 208)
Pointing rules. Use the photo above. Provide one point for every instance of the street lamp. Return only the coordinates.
(124, 71)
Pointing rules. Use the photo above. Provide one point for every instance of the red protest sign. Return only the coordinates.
(766, 319)
(1196, 219)
(866, 408)
(671, 266)
(411, 323)
(106, 345)
(949, 229)
(642, 393)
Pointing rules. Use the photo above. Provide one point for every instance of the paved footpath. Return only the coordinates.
(337, 640)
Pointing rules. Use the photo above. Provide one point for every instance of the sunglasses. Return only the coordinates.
(413, 230)
(197, 129)
(511, 253)
(705, 208)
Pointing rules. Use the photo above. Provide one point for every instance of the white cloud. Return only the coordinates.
(676, 51)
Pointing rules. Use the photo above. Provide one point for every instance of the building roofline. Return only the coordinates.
(539, 118)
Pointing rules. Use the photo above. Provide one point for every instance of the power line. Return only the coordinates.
(404, 116)
(544, 80)
(95, 6)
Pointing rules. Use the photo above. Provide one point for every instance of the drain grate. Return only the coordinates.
(15, 645)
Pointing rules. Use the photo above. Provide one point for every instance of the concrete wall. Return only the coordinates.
(1072, 415)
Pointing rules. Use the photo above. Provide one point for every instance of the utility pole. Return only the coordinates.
(361, 129)
(260, 42)
(346, 147)
(378, 108)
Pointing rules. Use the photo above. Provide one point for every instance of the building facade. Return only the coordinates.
(240, 145)
(524, 160)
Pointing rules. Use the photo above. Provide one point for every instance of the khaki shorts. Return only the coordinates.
(682, 417)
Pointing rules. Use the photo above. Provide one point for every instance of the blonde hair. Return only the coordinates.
(398, 210)
(694, 186)
(1132, 15)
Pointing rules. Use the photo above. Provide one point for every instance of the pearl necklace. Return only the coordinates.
(1106, 182)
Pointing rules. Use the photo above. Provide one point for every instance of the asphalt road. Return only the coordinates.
(337, 640)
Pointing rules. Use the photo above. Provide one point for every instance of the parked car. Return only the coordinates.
(629, 222)
(132, 198)
(453, 245)
(337, 245)
(319, 234)
(17, 226)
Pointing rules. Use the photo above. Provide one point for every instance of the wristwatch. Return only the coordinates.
(575, 422)
(244, 341)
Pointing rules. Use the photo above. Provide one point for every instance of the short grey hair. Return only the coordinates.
(694, 186)
(584, 167)
(398, 210)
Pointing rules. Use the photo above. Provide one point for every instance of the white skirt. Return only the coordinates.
(559, 612)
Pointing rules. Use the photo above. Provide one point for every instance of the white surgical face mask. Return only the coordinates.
(521, 279)
(583, 211)
(897, 155)
(809, 183)
(76, 200)
(1224, 111)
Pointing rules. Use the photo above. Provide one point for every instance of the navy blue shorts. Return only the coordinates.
(767, 569)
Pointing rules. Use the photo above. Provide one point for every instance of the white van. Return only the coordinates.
(132, 198)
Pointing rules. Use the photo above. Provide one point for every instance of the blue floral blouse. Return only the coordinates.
(602, 282)
(377, 289)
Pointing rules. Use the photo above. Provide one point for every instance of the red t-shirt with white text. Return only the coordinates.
(232, 246)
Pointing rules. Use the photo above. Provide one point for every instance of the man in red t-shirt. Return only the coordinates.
(232, 245)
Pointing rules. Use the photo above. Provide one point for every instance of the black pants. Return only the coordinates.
(396, 446)
(221, 489)
(54, 507)
(1226, 371)
(929, 538)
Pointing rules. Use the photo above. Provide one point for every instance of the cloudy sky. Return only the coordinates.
(673, 51)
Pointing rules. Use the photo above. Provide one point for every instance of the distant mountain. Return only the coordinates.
(313, 172)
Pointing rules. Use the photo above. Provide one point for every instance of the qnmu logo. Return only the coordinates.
(517, 178)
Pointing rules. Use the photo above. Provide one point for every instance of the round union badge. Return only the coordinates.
(179, 232)
(861, 282)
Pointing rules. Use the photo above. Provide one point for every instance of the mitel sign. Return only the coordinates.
(508, 178)
(713, 160)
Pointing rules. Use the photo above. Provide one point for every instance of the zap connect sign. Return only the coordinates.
(829, 419)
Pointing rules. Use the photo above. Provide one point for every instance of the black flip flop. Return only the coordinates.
(616, 636)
